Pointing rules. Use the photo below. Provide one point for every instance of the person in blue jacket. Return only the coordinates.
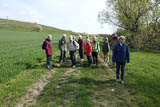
(121, 56)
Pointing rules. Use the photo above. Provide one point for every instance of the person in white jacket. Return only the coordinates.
(73, 46)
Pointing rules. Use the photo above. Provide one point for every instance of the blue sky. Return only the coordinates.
(75, 15)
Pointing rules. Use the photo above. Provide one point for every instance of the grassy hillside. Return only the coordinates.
(26, 27)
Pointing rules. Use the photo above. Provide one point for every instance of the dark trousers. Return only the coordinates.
(63, 56)
(89, 60)
(81, 53)
(120, 65)
(49, 62)
(95, 57)
(73, 57)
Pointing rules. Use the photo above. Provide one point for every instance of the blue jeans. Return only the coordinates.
(89, 60)
(120, 65)
(95, 57)
(81, 53)
(49, 62)
(73, 57)
(63, 56)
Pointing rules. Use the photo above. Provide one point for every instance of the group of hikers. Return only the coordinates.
(120, 52)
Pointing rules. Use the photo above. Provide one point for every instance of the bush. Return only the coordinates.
(38, 28)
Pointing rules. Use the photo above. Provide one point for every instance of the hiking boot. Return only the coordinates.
(74, 66)
(122, 82)
(117, 80)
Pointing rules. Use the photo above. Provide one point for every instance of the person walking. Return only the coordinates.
(62, 48)
(81, 47)
(114, 43)
(105, 50)
(96, 50)
(121, 55)
(49, 51)
(88, 52)
(73, 46)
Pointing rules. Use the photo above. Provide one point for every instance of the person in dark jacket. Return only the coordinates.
(62, 48)
(81, 47)
(105, 50)
(88, 52)
(114, 42)
(49, 52)
(121, 55)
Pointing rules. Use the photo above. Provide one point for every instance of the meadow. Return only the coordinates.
(22, 63)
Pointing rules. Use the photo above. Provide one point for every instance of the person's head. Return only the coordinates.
(122, 39)
(105, 39)
(49, 37)
(80, 36)
(88, 40)
(74, 38)
(94, 38)
(71, 38)
(87, 37)
(114, 35)
(64, 36)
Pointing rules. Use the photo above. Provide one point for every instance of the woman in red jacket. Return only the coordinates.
(88, 51)
(49, 52)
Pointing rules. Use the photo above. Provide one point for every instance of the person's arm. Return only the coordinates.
(128, 55)
(98, 47)
(114, 54)
(47, 48)
(108, 47)
(83, 44)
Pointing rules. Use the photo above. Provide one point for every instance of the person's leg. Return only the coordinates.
(89, 60)
(113, 63)
(104, 57)
(74, 58)
(82, 54)
(122, 70)
(71, 57)
(107, 58)
(60, 58)
(64, 56)
(96, 58)
(93, 57)
(49, 62)
(117, 70)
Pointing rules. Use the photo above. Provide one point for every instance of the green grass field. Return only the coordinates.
(22, 63)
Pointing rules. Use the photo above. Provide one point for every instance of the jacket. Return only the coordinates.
(121, 53)
(88, 49)
(96, 47)
(73, 46)
(49, 48)
(114, 42)
(62, 44)
(105, 47)
(81, 43)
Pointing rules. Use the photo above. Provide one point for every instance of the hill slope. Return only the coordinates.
(26, 26)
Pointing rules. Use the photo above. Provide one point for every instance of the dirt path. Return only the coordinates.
(114, 74)
(35, 90)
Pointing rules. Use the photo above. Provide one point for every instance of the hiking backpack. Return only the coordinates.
(44, 45)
